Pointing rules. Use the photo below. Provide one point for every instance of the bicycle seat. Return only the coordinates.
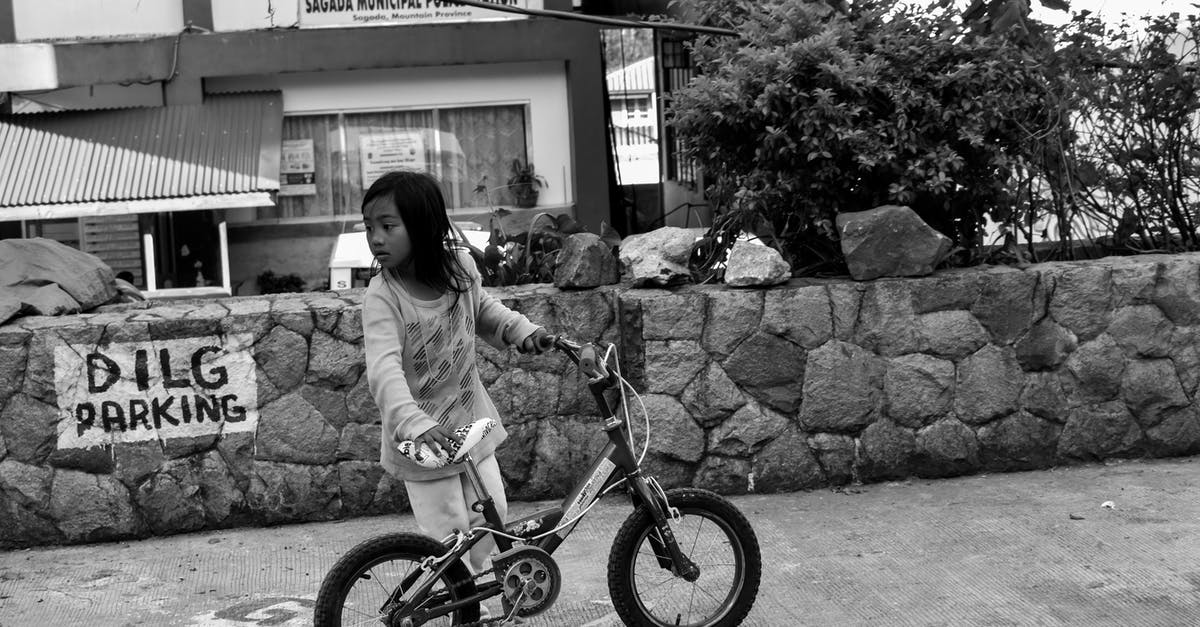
(470, 435)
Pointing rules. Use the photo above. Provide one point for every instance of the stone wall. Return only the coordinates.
(811, 384)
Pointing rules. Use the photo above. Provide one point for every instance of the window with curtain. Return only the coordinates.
(490, 139)
(330, 160)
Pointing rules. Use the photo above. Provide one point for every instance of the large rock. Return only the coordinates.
(918, 389)
(585, 261)
(889, 241)
(292, 430)
(752, 264)
(281, 492)
(172, 500)
(770, 369)
(712, 396)
(946, 448)
(660, 257)
(42, 276)
(92, 508)
(673, 431)
(1099, 431)
(1019, 441)
(988, 386)
(747, 431)
(1045, 346)
(843, 388)
(804, 315)
(885, 451)
(787, 464)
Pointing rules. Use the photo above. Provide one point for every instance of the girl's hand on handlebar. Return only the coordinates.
(437, 437)
(537, 343)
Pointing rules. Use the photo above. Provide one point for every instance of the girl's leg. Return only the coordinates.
(443, 505)
(438, 506)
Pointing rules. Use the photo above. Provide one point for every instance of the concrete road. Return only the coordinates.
(1115, 544)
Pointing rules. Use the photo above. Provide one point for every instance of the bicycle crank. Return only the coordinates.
(530, 578)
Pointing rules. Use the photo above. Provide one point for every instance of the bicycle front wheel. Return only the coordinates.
(363, 586)
(713, 534)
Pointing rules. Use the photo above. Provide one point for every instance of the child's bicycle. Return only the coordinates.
(683, 557)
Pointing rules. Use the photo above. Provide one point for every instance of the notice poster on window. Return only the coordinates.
(321, 13)
(297, 171)
(381, 153)
(160, 390)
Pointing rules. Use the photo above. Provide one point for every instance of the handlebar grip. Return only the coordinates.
(546, 342)
(589, 364)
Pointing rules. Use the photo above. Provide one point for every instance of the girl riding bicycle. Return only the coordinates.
(421, 313)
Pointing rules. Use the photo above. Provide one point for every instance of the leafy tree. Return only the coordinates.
(1136, 97)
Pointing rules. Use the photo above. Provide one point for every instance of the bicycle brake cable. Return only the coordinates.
(625, 404)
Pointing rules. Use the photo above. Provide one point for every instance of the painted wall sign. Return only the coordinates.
(134, 391)
(365, 12)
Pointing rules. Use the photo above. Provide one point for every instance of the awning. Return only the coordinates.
(220, 154)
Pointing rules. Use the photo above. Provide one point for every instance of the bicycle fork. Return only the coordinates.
(666, 546)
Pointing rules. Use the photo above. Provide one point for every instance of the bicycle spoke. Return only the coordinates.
(692, 600)
(374, 577)
(696, 539)
(368, 619)
(705, 592)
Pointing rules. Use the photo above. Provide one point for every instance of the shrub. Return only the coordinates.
(815, 111)
(528, 256)
(271, 283)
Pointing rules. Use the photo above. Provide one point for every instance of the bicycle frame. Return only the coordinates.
(616, 462)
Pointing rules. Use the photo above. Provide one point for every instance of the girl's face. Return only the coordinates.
(386, 233)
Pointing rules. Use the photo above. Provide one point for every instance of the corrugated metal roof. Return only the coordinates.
(228, 144)
(635, 77)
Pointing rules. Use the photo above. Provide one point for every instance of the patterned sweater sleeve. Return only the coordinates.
(495, 323)
(384, 343)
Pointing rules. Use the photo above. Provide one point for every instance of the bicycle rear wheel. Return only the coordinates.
(713, 534)
(356, 591)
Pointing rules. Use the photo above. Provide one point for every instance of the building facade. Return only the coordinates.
(199, 143)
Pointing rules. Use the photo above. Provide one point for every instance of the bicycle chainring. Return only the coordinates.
(531, 570)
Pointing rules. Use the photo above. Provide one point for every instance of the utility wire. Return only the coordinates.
(596, 19)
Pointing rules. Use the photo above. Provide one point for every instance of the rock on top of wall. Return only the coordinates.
(659, 258)
(45, 277)
(889, 241)
(585, 261)
(752, 264)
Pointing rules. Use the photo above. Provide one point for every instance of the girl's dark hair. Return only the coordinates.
(419, 201)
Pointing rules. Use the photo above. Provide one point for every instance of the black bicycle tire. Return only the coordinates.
(625, 547)
(339, 579)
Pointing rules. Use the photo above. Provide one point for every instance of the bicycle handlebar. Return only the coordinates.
(585, 356)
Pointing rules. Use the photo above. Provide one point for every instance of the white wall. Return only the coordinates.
(542, 85)
(41, 20)
(233, 15)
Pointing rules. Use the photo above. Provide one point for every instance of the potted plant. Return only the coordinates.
(525, 184)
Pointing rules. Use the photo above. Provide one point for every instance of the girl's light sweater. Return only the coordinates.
(421, 363)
